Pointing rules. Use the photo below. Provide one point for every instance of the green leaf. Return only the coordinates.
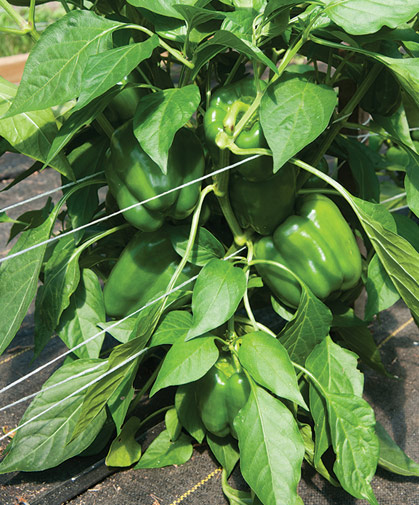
(186, 362)
(162, 452)
(236, 496)
(106, 69)
(101, 391)
(45, 442)
(296, 111)
(267, 361)
(173, 327)
(392, 458)
(217, 293)
(19, 279)
(225, 450)
(120, 401)
(31, 133)
(125, 450)
(398, 257)
(225, 39)
(172, 423)
(336, 370)
(356, 446)
(54, 70)
(163, 7)
(381, 292)
(186, 406)
(79, 321)
(159, 116)
(205, 248)
(271, 448)
(360, 17)
(61, 278)
(406, 71)
(310, 325)
(121, 331)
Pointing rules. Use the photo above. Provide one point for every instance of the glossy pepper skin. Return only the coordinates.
(226, 108)
(142, 272)
(221, 393)
(133, 177)
(316, 244)
(384, 96)
(263, 205)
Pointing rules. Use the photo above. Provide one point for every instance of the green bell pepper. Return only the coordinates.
(220, 394)
(134, 177)
(384, 96)
(142, 272)
(123, 106)
(263, 205)
(316, 244)
(226, 108)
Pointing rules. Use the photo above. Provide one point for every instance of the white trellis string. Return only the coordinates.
(155, 300)
(395, 197)
(109, 216)
(50, 192)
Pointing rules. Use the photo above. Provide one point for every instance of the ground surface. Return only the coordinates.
(88, 482)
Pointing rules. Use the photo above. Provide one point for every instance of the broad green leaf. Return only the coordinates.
(406, 70)
(360, 340)
(295, 111)
(31, 133)
(336, 370)
(236, 496)
(121, 331)
(173, 327)
(225, 450)
(397, 125)
(355, 443)
(78, 120)
(397, 255)
(19, 279)
(271, 448)
(159, 116)
(79, 321)
(392, 458)
(120, 401)
(408, 229)
(172, 422)
(125, 450)
(186, 406)
(162, 452)
(45, 442)
(163, 7)
(381, 292)
(309, 326)
(61, 278)
(122, 363)
(106, 69)
(267, 361)
(186, 362)
(217, 293)
(54, 70)
(360, 17)
(205, 248)
(224, 39)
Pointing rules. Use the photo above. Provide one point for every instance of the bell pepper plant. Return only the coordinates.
(239, 185)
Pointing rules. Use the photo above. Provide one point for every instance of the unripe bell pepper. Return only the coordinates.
(226, 108)
(263, 205)
(316, 244)
(220, 394)
(143, 272)
(384, 96)
(134, 177)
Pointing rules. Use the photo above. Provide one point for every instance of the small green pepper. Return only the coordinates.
(316, 244)
(226, 108)
(142, 272)
(220, 394)
(134, 177)
(384, 96)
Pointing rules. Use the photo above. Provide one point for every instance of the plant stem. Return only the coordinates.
(221, 191)
(312, 378)
(25, 26)
(246, 294)
(144, 389)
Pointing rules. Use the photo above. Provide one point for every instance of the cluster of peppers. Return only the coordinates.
(305, 234)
